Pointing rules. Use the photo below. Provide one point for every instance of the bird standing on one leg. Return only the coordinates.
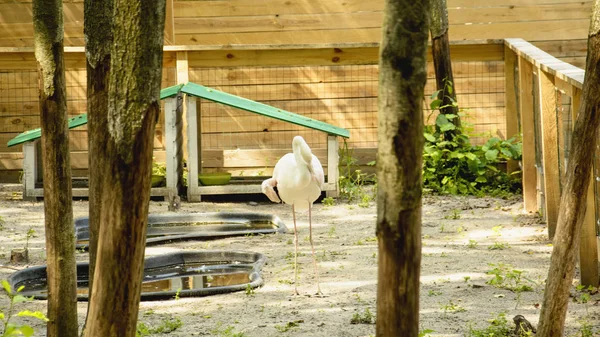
(299, 179)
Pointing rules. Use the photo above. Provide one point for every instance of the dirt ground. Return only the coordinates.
(458, 234)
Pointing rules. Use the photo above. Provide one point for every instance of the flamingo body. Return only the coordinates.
(299, 178)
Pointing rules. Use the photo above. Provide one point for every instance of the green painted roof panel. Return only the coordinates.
(34, 134)
(262, 109)
(170, 91)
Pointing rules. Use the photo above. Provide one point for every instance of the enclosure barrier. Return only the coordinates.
(543, 95)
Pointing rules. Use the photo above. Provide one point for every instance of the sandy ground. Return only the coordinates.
(457, 236)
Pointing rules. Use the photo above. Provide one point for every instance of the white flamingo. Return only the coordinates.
(299, 179)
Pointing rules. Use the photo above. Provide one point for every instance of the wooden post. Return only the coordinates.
(195, 154)
(171, 145)
(588, 246)
(183, 78)
(512, 125)
(528, 135)
(30, 169)
(333, 161)
(547, 102)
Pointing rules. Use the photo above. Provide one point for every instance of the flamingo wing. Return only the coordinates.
(267, 187)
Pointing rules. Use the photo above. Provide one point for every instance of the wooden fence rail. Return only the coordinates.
(539, 88)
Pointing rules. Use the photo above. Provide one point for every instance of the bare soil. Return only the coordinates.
(458, 234)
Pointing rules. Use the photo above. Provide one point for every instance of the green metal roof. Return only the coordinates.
(262, 109)
(34, 134)
(215, 96)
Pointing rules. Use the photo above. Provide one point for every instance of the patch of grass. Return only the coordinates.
(498, 327)
(249, 290)
(2, 223)
(454, 214)
(366, 317)
(499, 246)
(167, 325)
(289, 326)
(434, 293)
(331, 232)
(452, 307)
(328, 202)
(425, 333)
(472, 244)
(228, 331)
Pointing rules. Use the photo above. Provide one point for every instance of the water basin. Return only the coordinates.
(163, 228)
(189, 273)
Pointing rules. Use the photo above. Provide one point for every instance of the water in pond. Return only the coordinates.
(173, 278)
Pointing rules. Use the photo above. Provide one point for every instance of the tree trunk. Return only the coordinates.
(58, 211)
(440, 49)
(573, 199)
(98, 37)
(133, 106)
(402, 77)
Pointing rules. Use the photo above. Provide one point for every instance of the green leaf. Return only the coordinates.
(1, 316)
(507, 152)
(447, 127)
(20, 299)
(481, 179)
(470, 156)
(435, 104)
(441, 120)
(491, 155)
(429, 137)
(6, 287)
(36, 314)
(372, 163)
(450, 116)
(436, 94)
(445, 180)
(20, 289)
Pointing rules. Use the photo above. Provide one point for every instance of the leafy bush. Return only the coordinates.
(11, 329)
(452, 165)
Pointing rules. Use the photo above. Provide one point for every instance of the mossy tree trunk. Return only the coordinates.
(402, 77)
(133, 106)
(440, 48)
(98, 37)
(573, 198)
(58, 209)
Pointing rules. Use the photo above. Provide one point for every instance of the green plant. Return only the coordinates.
(159, 169)
(177, 293)
(288, 326)
(365, 318)
(452, 165)
(472, 244)
(454, 215)
(352, 180)
(434, 293)
(249, 290)
(505, 277)
(425, 333)
(14, 330)
(451, 307)
(327, 202)
(498, 327)
(228, 331)
(331, 232)
(30, 233)
(2, 223)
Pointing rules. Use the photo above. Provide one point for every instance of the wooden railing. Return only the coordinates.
(543, 95)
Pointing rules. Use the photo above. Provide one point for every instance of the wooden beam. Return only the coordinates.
(548, 106)
(512, 124)
(171, 144)
(588, 246)
(30, 169)
(528, 136)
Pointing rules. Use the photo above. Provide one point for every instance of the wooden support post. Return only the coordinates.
(183, 78)
(547, 102)
(528, 136)
(333, 161)
(194, 152)
(30, 169)
(588, 246)
(512, 124)
(171, 145)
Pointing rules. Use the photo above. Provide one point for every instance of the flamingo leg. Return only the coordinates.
(295, 252)
(312, 246)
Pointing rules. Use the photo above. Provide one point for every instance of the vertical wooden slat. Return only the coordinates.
(512, 125)
(547, 102)
(588, 246)
(30, 169)
(560, 131)
(183, 78)
(332, 165)
(171, 144)
(195, 156)
(528, 135)
(169, 23)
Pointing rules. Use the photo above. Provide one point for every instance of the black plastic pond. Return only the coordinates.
(163, 228)
(183, 274)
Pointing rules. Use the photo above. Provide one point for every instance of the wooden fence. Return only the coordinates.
(333, 83)
(543, 95)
